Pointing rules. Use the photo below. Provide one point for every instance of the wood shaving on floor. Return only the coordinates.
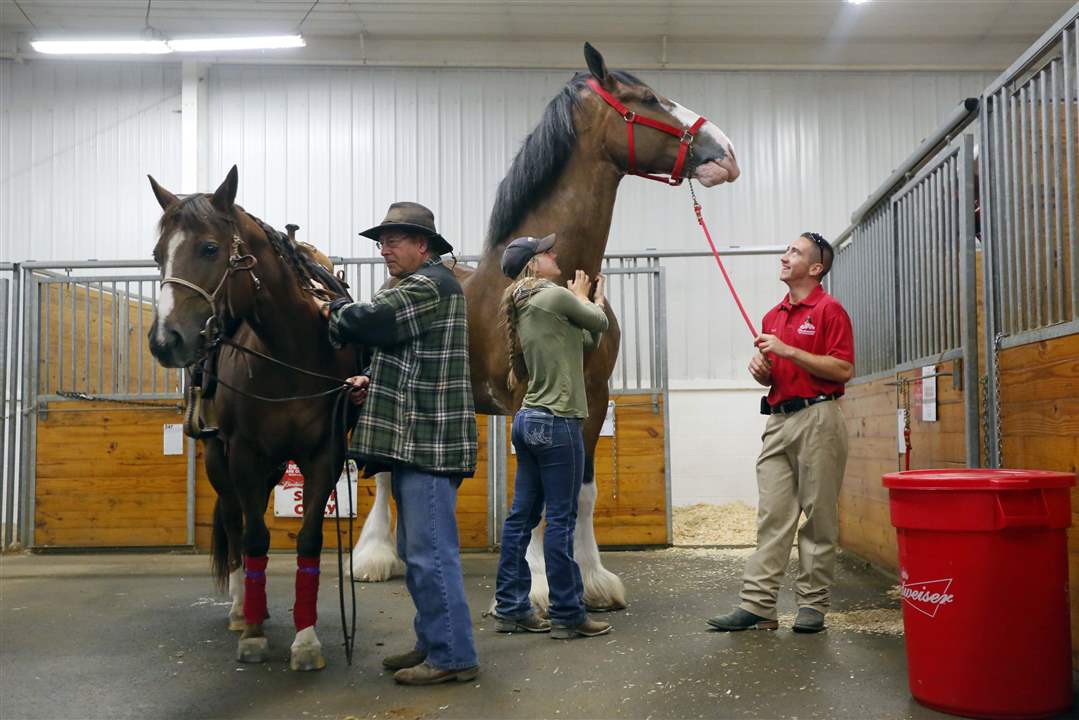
(703, 524)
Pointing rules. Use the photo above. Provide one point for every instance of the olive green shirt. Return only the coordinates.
(555, 328)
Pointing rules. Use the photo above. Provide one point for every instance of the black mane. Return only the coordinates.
(198, 213)
(541, 159)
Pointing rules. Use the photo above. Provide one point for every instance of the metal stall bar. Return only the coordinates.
(1070, 56)
(1033, 234)
(992, 163)
(968, 301)
(11, 518)
(7, 473)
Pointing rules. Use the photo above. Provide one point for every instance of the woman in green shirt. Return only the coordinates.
(549, 328)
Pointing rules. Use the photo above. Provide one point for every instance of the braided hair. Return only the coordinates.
(509, 310)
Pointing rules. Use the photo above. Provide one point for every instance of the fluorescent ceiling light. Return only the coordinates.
(269, 42)
(857, 2)
(101, 47)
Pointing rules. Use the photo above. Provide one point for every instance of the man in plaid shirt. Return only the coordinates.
(418, 422)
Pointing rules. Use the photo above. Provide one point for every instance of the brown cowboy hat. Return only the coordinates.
(412, 218)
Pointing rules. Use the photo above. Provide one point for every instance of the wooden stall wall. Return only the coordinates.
(102, 478)
(1039, 419)
(471, 509)
(865, 526)
(631, 500)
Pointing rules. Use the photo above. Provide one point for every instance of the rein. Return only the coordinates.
(719, 261)
(685, 136)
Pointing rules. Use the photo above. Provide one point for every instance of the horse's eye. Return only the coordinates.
(208, 249)
(650, 99)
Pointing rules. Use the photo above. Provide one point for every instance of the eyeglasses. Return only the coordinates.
(391, 242)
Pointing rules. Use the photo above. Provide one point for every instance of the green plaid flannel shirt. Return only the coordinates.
(419, 409)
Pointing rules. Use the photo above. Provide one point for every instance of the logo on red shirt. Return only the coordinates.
(807, 327)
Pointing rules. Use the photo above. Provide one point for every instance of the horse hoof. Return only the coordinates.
(253, 650)
(237, 623)
(306, 658)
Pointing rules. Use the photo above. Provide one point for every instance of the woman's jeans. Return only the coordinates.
(550, 468)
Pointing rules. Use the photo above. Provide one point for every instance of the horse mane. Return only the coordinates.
(197, 212)
(541, 159)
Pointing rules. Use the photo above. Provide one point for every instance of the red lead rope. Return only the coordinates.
(719, 261)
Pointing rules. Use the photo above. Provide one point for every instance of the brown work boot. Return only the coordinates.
(412, 658)
(589, 628)
(533, 623)
(424, 674)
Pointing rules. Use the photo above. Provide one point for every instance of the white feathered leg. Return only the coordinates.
(236, 594)
(539, 595)
(603, 590)
(374, 559)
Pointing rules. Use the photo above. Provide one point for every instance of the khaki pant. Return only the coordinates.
(800, 470)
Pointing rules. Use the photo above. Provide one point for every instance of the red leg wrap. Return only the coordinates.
(305, 612)
(255, 589)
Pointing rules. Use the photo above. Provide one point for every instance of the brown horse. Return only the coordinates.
(564, 180)
(228, 275)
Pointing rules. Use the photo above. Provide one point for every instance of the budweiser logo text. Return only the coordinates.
(929, 596)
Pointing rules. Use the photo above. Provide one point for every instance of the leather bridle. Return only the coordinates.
(238, 262)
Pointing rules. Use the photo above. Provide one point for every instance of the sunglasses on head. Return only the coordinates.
(819, 241)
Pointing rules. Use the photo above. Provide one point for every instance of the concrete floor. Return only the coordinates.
(143, 636)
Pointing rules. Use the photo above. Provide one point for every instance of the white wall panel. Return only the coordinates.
(76, 143)
(330, 148)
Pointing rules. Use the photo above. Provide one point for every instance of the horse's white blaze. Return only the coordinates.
(166, 301)
(602, 588)
(374, 558)
(687, 117)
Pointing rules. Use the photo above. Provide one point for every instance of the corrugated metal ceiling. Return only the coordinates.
(802, 21)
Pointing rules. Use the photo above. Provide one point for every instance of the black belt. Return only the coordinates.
(794, 405)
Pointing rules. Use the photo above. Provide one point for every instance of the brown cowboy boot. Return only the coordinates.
(412, 658)
(424, 674)
(589, 628)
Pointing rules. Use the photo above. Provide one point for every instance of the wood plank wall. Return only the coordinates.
(631, 500)
(103, 480)
(1039, 390)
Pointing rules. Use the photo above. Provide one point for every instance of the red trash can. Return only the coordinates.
(984, 579)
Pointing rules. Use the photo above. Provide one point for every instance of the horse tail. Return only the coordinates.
(219, 549)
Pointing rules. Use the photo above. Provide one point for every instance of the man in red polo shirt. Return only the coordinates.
(805, 355)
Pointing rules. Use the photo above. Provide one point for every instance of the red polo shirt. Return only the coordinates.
(818, 325)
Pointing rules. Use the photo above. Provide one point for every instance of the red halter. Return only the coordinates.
(685, 137)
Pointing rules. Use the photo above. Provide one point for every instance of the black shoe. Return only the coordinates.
(533, 624)
(740, 619)
(808, 621)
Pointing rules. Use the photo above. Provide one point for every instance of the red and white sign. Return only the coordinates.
(288, 494)
(927, 597)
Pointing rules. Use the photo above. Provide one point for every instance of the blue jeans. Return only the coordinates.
(550, 468)
(427, 542)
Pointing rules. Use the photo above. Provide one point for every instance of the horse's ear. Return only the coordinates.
(164, 197)
(225, 195)
(596, 65)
